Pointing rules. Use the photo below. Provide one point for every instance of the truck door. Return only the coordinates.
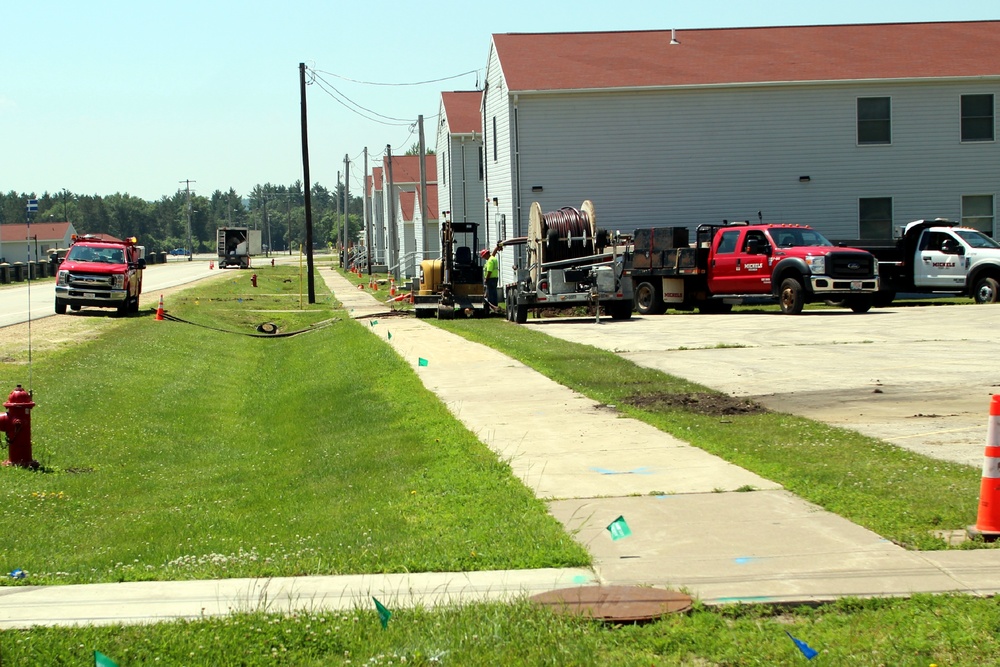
(725, 262)
(938, 263)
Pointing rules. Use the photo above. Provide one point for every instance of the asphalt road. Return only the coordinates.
(919, 377)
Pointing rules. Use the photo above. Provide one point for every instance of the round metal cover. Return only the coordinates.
(615, 603)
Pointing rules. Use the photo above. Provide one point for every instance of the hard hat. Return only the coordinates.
(484, 253)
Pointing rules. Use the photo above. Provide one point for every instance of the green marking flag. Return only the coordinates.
(390, 335)
(619, 529)
(383, 614)
(372, 322)
(101, 660)
(421, 361)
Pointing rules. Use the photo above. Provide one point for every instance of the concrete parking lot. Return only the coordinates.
(918, 377)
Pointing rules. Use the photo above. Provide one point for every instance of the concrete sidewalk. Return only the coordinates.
(691, 527)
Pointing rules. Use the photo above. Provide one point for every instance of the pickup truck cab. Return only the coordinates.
(100, 272)
(938, 256)
(738, 262)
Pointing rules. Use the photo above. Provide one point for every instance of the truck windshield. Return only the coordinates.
(793, 236)
(976, 239)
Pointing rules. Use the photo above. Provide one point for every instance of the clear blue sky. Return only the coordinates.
(113, 96)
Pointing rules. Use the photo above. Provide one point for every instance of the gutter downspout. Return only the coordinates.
(517, 180)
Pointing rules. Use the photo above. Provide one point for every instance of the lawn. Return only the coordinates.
(176, 450)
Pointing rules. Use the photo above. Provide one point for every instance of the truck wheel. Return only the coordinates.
(648, 300)
(859, 304)
(883, 298)
(792, 296)
(520, 310)
(60, 306)
(618, 310)
(987, 290)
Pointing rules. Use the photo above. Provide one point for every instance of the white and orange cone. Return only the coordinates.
(988, 519)
(159, 309)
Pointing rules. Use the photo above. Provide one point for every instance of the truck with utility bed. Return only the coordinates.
(101, 272)
(237, 245)
(936, 256)
(740, 262)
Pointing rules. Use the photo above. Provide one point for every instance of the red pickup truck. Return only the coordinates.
(738, 262)
(102, 273)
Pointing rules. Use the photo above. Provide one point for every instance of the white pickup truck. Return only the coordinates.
(936, 256)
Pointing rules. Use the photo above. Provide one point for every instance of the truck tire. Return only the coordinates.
(520, 315)
(648, 299)
(618, 310)
(987, 290)
(859, 304)
(792, 296)
(60, 306)
(884, 298)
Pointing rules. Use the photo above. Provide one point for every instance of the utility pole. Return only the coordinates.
(366, 214)
(347, 192)
(187, 187)
(308, 201)
(340, 229)
(423, 187)
(390, 193)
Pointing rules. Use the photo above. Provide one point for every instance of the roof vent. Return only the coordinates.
(673, 37)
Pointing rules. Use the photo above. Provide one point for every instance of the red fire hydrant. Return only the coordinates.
(16, 423)
(253, 280)
(272, 261)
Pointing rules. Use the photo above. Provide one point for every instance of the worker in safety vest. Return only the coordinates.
(491, 276)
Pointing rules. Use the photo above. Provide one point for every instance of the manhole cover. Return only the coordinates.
(615, 603)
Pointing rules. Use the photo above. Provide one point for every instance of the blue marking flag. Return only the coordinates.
(32, 206)
(383, 614)
(619, 529)
(421, 361)
(101, 660)
(808, 651)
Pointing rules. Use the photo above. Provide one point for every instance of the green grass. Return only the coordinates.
(174, 451)
(926, 630)
(901, 495)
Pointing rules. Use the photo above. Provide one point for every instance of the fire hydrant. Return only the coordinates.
(272, 261)
(253, 280)
(16, 424)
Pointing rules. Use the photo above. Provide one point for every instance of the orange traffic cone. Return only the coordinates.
(361, 286)
(211, 265)
(159, 309)
(392, 289)
(988, 520)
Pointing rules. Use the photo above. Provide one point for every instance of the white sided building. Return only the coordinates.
(854, 129)
(460, 157)
(404, 245)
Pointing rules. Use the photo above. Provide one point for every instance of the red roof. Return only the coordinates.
(375, 180)
(406, 168)
(407, 201)
(43, 231)
(601, 60)
(462, 109)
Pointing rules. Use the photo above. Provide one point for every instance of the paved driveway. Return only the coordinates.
(919, 377)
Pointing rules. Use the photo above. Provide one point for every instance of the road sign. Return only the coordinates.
(32, 206)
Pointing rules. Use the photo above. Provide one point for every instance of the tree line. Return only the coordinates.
(161, 225)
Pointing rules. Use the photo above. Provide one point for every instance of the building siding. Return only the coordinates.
(498, 113)
(690, 156)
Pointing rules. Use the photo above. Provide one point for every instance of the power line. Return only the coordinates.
(410, 83)
(347, 103)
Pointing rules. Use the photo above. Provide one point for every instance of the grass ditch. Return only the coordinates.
(172, 451)
(903, 496)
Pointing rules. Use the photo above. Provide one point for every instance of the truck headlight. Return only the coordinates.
(62, 278)
(119, 282)
(816, 264)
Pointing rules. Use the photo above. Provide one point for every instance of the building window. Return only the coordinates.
(874, 120)
(977, 118)
(875, 217)
(977, 212)
(494, 138)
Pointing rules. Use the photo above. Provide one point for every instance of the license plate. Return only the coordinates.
(855, 285)
(89, 295)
